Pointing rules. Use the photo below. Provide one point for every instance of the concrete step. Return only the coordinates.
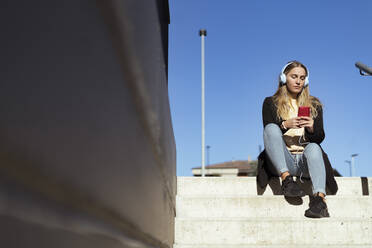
(271, 246)
(247, 186)
(273, 231)
(267, 206)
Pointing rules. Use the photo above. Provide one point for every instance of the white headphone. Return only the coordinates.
(283, 77)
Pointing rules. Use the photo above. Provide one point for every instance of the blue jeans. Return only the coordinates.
(310, 164)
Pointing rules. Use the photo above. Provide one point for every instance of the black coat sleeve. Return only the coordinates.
(318, 135)
(269, 113)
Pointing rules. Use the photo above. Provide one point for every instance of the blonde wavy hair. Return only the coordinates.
(282, 100)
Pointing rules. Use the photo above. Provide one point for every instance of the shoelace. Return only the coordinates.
(318, 202)
(287, 181)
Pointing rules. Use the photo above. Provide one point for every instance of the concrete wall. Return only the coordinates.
(87, 152)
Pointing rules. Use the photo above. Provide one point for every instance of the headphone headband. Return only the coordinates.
(283, 77)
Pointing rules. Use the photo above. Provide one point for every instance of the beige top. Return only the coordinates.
(294, 138)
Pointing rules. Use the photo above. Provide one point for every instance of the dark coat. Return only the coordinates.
(269, 116)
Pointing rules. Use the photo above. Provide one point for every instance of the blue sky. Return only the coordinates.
(248, 43)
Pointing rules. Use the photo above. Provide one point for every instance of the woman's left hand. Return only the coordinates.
(308, 123)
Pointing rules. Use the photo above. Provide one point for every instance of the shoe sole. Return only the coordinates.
(299, 195)
(310, 214)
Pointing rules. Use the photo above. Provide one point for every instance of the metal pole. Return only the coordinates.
(349, 163)
(208, 147)
(203, 33)
(353, 163)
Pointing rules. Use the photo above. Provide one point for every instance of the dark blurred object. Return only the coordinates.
(87, 151)
(202, 32)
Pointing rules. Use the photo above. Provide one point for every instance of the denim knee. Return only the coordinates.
(313, 151)
(272, 129)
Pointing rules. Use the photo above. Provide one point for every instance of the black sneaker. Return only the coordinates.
(317, 208)
(290, 188)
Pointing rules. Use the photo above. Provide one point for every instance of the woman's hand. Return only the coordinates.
(292, 123)
(308, 123)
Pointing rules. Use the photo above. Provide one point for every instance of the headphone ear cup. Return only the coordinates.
(283, 78)
(306, 81)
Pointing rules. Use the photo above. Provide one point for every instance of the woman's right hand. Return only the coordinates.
(292, 123)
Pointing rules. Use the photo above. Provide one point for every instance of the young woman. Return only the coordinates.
(292, 143)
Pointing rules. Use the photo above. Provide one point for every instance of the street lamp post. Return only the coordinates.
(208, 147)
(349, 163)
(353, 163)
(203, 33)
(363, 69)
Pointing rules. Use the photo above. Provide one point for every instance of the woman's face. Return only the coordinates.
(296, 80)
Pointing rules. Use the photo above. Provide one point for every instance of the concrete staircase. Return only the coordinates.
(218, 212)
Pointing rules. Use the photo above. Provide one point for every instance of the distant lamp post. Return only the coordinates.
(353, 163)
(208, 147)
(363, 69)
(203, 33)
(349, 163)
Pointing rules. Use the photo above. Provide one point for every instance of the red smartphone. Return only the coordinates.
(303, 111)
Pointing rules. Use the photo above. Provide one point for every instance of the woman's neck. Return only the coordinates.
(292, 96)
